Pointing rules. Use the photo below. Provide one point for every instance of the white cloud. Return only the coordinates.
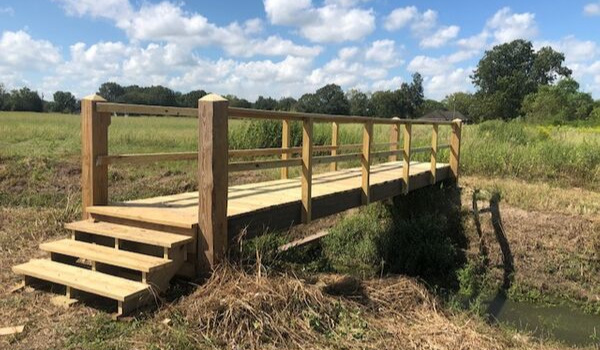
(400, 18)
(384, 52)
(21, 51)
(507, 26)
(7, 11)
(441, 85)
(423, 25)
(440, 37)
(592, 9)
(168, 22)
(336, 21)
(387, 84)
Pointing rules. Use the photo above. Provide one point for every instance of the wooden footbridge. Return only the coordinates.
(128, 251)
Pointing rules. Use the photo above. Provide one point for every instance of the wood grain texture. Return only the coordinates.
(286, 133)
(94, 143)
(335, 135)
(366, 163)
(455, 138)
(306, 179)
(406, 156)
(212, 179)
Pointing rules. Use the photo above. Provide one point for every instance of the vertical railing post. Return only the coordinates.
(94, 143)
(285, 145)
(406, 156)
(394, 140)
(434, 152)
(335, 135)
(455, 148)
(213, 161)
(307, 146)
(366, 162)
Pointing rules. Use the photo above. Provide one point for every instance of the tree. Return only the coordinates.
(384, 104)
(430, 106)
(558, 103)
(287, 104)
(268, 103)
(111, 91)
(509, 72)
(191, 98)
(360, 103)
(461, 102)
(234, 101)
(25, 99)
(329, 99)
(64, 102)
(3, 98)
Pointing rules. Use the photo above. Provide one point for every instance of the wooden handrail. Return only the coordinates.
(248, 113)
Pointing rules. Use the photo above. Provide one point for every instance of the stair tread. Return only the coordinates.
(106, 255)
(94, 282)
(129, 212)
(130, 233)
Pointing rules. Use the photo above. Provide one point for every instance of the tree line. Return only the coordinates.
(512, 80)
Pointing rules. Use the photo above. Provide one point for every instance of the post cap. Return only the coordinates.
(94, 97)
(457, 121)
(213, 98)
(395, 118)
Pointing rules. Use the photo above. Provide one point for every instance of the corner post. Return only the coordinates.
(213, 162)
(335, 135)
(394, 140)
(307, 147)
(406, 156)
(434, 152)
(94, 143)
(285, 145)
(455, 148)
(366, 162)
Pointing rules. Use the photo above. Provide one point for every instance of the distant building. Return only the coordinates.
(448, 116)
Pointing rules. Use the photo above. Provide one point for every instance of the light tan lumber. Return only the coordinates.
(406, 156)
(11, 330)
(94, 143)
(286, 133)
(263, 164)
(98, 283)
(130, 233)
(335, 135)
(213, 176)
(394, 140)
(302, 241)
(122, 108)
(434, 153)
(455, 138)
(366, 163)
(306, 179)
(337, 158)
(105, 255)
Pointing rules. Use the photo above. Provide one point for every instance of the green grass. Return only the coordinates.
(562, 155)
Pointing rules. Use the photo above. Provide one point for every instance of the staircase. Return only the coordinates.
(124, 260)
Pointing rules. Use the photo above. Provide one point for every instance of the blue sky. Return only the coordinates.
(281, 47)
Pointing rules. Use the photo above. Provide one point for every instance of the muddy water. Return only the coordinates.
(561, 323)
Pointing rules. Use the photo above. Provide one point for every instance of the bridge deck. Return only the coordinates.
(277, 203)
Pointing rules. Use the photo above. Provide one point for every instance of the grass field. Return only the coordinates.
(548, 179)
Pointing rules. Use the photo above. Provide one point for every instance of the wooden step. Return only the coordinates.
(106, 255)
(131, 212)
(130, 233)
(98, 283)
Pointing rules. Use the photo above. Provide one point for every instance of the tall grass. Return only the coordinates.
(568, 155)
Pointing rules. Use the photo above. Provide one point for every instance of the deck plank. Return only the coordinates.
(181, 210)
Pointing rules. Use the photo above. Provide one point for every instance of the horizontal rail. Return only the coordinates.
(387, 153)
(123, 108)
(264, 164)
(247, 113)
(336, 158)
(145, 158)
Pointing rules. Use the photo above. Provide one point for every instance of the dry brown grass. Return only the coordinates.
(240, 310)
